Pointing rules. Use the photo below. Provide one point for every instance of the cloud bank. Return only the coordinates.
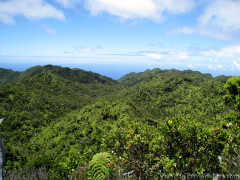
(31, 9)
(134, 9)
(228, 52)
(218, 20)
(221, 15)
(155, 10)
(172, 55)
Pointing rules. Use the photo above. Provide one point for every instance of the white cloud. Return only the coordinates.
(190, 65)
(236, 65)
(215, 66)
(30, 9)
(175, 6)
(153, 55)
(228, 52)
(132, 9)
(222, 14)
(172, 55)
(220, 18)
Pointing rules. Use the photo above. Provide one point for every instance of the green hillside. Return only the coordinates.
(74, 123)
(77, 75)
(134, 78)
(167, 96)
(7, 75)
(30, 105)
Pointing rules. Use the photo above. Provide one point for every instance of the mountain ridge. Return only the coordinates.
(76, 74)
(130, 79)
(133, 78)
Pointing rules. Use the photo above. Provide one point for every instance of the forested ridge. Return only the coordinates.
(74, 124)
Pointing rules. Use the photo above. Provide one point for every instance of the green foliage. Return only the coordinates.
(76, 75)
(100, 166)
(170, 96)
(177, 146)
(134, 78)
(231, 155)
(29, 106)
(191, 148)
(157, 121)
(137, 147)
(233, 96)
(67, 165)
(7, 76)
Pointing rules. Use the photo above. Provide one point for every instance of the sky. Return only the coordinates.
(115, 37)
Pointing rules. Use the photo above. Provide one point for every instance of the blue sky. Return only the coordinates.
(114, 37)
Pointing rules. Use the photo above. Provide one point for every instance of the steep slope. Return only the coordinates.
(7, 75)
(153, 101)
(169, 95)
(28, 106)
(82, 129)
(53, 111)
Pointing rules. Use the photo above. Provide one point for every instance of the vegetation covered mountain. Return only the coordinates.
(32, 104)
(7, 75)
(78, 124)
(167, 96)
(76, 75)
(134, 78)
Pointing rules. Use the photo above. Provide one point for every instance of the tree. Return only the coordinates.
(232, 120)
(233, 97)
(191, 148)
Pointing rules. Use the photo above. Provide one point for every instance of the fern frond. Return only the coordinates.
(98, 166)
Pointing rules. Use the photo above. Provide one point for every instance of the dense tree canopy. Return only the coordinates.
(78, 124)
